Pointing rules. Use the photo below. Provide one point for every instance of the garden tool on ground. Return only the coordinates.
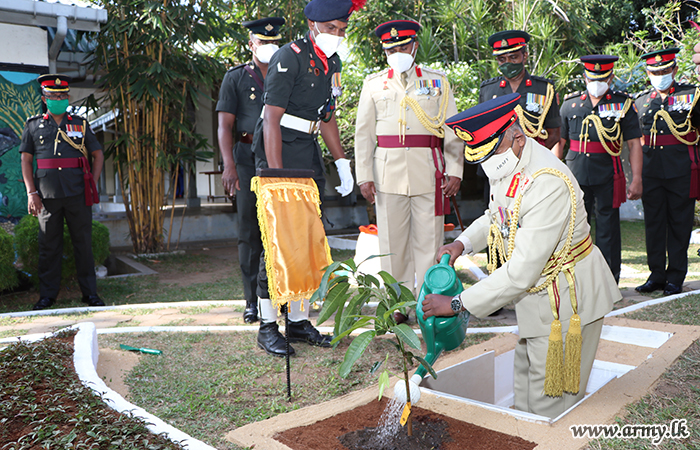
(439, 333)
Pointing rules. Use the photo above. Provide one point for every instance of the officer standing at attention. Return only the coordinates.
(63, 187)
(538, 110)
(670, 115)
(239, 106)
(536, 228)
(596, 123)
(301, 88)
(405, 160)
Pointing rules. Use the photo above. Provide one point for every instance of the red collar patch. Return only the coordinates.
(502, 83)
(528, 82)
(513, 188)
(419, 72)
(295, 48)
(390, 74)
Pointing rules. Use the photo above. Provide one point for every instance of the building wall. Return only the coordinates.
(29, 45)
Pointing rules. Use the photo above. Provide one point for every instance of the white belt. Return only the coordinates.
(297, 123)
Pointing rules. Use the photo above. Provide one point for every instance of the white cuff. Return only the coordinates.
(468, 248)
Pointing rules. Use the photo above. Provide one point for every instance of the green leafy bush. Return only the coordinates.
(8, 274)
(27, 245)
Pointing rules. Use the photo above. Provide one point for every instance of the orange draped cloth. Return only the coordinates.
(293, 237)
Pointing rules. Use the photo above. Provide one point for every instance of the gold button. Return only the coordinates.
(588, 155)
(59, 168)
(662, 147)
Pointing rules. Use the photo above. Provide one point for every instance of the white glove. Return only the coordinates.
(346, 180)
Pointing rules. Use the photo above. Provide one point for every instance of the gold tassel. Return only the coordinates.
(554, 368)
(572, 363)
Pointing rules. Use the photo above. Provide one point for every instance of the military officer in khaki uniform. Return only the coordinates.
(669, 114)
(404, 159)
(537, 226)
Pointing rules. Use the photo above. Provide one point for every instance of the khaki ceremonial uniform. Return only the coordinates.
(404, 177)
(543, 225)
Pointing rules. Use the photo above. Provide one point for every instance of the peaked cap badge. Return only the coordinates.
(393, 32)
(269, 27)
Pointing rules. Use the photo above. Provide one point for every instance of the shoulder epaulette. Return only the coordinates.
(236, 67)
(622, 93)
(490, 81)
(572, 95)
(539, 78)
(639, 94)
(34, 117)
(376, 74)
(435, 71)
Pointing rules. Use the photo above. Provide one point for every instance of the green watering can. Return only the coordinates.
(439, 333)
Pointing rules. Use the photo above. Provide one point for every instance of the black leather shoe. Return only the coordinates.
(271, 340)
(650, 286)
(93, 300)
(305, 332)
(672, 289)
(250, 314)
(43, 303)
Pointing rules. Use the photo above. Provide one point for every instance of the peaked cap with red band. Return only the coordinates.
(598, 67)
(661, 59)
(482, 126)
(329, 10)
(53, 82)
(508, 41)
(397, 32)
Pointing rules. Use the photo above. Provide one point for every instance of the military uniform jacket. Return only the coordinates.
(543, 226)
(40, 138)
(405, 170)
(595, 168)
(296, 82)
(533, 97)
(667, 161)
(242, 96)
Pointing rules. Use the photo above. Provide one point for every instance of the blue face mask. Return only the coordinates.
(661, 82)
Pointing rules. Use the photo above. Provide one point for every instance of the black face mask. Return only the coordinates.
(511, 70)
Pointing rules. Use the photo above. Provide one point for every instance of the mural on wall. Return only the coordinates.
(19, 99)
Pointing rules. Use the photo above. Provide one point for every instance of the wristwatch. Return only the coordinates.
(456, 304)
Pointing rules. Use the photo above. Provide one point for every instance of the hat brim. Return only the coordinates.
(508, 50)
(598, 76)
(660, 67)
(262, 37)
(476, 155)
(388, 45)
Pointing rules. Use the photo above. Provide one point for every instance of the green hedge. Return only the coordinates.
(27, 245)
(8, 273)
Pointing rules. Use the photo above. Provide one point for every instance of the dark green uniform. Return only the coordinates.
(296, 81)
(241, 94)
(670, 168)
(533, 98)
(62, 191)
(594, 168)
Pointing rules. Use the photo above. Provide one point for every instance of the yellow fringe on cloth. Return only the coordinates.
(572, 355)
(554, 368)
(293, 237)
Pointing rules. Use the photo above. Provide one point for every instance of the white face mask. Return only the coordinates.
(661, 82)
(264, 52)
(328, 43)
(597, 88)
(400, 62)
(501, 165)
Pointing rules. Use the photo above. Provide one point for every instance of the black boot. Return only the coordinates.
(250, 314)
(305, 332)
(93, 300)
(271, 340)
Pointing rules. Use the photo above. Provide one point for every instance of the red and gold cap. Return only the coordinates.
(52, 82)
(508, 41)
(661, 59)
(482, 126)
(598, 67)
(397, 32)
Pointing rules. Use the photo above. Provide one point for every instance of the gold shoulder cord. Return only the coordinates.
(433, 124)
(606, 135)
(678, 131)
(81, 148)
(495, 238)
(535, 128)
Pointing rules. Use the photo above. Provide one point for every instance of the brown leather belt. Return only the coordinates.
(246, 138)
